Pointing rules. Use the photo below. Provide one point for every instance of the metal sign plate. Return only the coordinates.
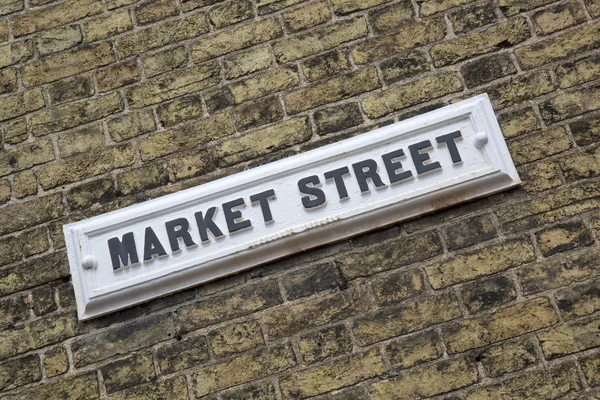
(126, 257)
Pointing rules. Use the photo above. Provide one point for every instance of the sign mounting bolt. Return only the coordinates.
(481, 139)
(89, 262)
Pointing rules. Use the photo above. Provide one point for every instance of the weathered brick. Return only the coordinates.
(256, 113)
(154, 10)
(15, 131)
(165, 61)
(469, 232)
(173, 84)
(58, 39)
(570, 338)
(11, 6)
(579, 300)
(243, 368)
(307, 16)
(264, 83)
(525, 149)
(81, 140)
(576, 72)
(10, 251)
(130, 371)
(557, 48)
(408, 37)
(43, 300)
(349, 6)
(422, 90)
(586, 131)
(389, 255)
(34, 241)
(190, 164)
(412, 350)
(181, 109)
(590, 366)
(571, 104)
(543, 384)
(4, 31)
(488, 293)
(338, 118)
(21, 103)
(398, 287)
(563, 237)
(13, 309)
(540, 176)
(8, 81)
(473, 16)
(80, 387)
(231, 12)
(506, 323)
(143, 178)
(476, 263)
(243, 301)
(24, 184)
(392, 17)
(264, 141)
(491, 39)
(236, 38)
(107, 25)
(311, 280)
(320, 39)
(578, 166)
(426, 381)
(85, 195)
(39, 333)
(53, 16)
(172, 389)
(34, 272)
(19, 372)
(508, 357)
(117, 75)
(487, 69)
(5, 191)
(130, 125)
(518, 122)
(246, 62)
(61, 65)
(85, 165)
(405, 318)
(182, 354)
(405, 66)
(261, 391)
(115, 341)
(284, 321)
(325, 65)
(512, 7)
(558, 17)
(218, 99)
(190, 135)
(72, 115)
(161, 35)
(593, 7)
(69, 89)
(56, 362)
(325, 343)
(235, 338)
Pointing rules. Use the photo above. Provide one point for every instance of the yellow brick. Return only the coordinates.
(539, 145)
(21, 103)
(427, 381)
(593, 7)
(506, 323)
(472, 44)
(25, 156)
(512, 7)
(518, 122)
(565, 45)
(154, 11)
(325, 343)
(107, 25)
(131, 125)
(230, 12)
(172, 389)
(576, 72)
(148, 176)
(520, 88)
(412, 350)
(509, 357)
(558, 17)
(392, 17)
(325, 65)
(55, 15)
(15, 131)
(333, 375)
(570, 338)
(249, 61)
(335, 89)
(24, 184)
(65, 64)
(264, 83)
(117, 75)
(235, 338)
(320, 39)
(82, 387)
(165, 61)
(69, 89)
(428, 7)
(173, 84)
(81, 140)
(348, 6)
(264, 141)
(268, 6)
(579, 300)
(11, 6)
(235, 39)
(307, 16)
(181, 109)
(540, 176)
(58, 39)
(571, 104)
(16, 52)
(420, 91)
(56, 362)
(8, 81)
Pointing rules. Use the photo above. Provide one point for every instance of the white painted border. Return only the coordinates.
(188, 274)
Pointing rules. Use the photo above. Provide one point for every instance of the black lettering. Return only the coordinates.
(319, 195)
(152, 245)
(231, 216)
(364, 170)
(338, 177)
(182, 232)
(392, 166)
(263, 199)
(419, 158)
(450, 140)
(123, 251)
(206, 223)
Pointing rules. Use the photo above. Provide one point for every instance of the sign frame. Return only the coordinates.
(93, 301)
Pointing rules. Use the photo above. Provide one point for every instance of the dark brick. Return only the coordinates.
(329, 342)
(488, 69)
(398, 286)
(470, 231)
(472, 16)
(19, 372)
(128, 372)
(311, 280)
(338, 118)
(405, 66)
(183, 354)
(257, 113)
(563, 237)
(43, 300)
(488, 293)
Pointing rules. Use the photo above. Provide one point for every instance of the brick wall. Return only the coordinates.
(107, 103)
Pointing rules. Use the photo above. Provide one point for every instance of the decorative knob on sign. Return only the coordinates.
(89, 262)
(481, 139)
